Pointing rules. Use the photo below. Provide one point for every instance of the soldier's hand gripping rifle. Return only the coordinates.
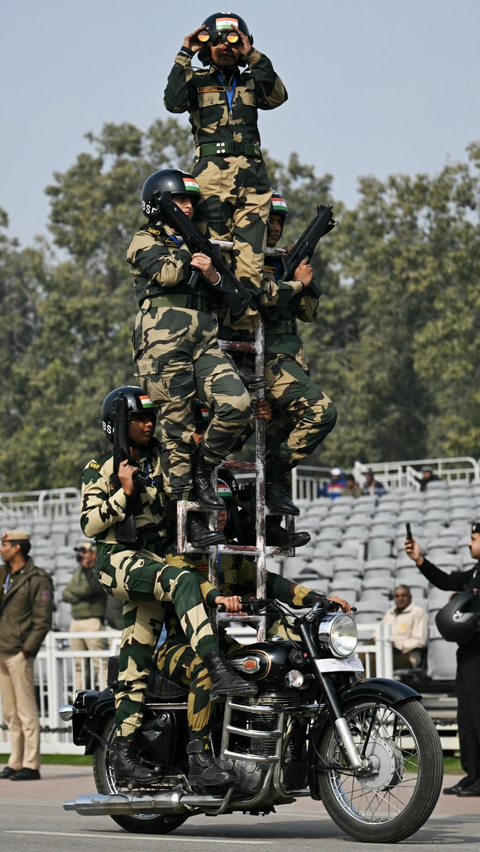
(307, 243)
(126, 531)
(235, 295)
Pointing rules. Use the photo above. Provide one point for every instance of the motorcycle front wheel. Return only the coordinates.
(397, 798)
(105, 782)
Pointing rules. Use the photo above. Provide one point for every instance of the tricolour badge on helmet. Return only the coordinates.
(279, 205)
(224, 490)
(191, 185)
(226, 23)
(146, 401)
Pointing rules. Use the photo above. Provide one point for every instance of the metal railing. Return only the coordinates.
(55, 678)
(46, 503)
(403, 474)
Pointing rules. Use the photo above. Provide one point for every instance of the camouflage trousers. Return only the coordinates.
(178, 359)
(177, 661)
(236, 205)
(144, 582)
(302, 416)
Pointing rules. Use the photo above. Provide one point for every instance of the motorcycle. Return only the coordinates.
(366, 748)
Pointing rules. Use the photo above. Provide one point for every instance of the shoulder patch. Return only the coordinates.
(46, 595)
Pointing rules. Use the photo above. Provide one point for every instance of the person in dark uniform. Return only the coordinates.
(467, 682)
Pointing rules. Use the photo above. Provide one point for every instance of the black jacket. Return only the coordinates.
(457, 581)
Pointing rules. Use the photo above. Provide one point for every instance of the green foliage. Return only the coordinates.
(395, 345)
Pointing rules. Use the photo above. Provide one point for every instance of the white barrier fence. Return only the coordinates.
(56, 672)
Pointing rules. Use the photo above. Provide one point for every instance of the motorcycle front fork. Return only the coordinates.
(361, 765)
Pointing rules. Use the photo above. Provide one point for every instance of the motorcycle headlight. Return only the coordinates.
(339, 633)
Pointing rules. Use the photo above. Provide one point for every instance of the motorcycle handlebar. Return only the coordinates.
(252, 606)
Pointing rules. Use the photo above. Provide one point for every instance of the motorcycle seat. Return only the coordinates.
(161, 687)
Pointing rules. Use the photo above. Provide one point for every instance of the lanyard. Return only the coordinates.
(6, 584)
(175, 240)
(229, 92)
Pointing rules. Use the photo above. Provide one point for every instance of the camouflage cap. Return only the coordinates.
(15, 536)
(86, 545)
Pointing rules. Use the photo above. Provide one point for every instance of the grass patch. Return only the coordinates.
(452, 766)
(60, 759)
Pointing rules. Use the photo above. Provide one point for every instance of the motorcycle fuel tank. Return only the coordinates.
(267, 661)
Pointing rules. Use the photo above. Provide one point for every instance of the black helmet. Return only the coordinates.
(137, 400)
(459, 620)
(167, 180)
(278, 204)
(217, 27)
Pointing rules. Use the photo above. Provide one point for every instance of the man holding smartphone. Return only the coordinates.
(467, 682)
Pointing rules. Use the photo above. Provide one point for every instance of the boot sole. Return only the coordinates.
(217, 697)
(282, 511)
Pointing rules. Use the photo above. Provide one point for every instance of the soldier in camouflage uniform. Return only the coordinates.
(237, 577)
(302, 414)
(138, 575)
(177, 354)
(223, 102)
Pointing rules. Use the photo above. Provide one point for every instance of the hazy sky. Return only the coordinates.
(378, 86)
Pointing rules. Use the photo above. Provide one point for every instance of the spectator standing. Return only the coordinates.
(373, 486)
(337, 485)
(88, 601)
(409, 625)
(26, 599)
(467, 681)
(427, 476)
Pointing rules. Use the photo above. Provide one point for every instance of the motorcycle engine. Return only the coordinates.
(158, 737)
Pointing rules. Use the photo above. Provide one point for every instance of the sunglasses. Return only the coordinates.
(228, 37)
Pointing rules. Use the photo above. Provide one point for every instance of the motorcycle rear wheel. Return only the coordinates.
(105, 782)
(394, 802)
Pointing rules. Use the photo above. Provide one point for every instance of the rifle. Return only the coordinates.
(236, 296)
(320, 225)
(126, 532)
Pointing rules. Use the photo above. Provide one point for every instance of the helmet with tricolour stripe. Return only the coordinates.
(137, 400)
(174, 181)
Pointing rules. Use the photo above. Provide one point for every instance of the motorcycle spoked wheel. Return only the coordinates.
(105, 782)
(394, 802)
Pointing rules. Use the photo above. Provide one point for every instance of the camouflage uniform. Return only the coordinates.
(302, 415)
(140, 578)
(177, 357)
(228, 163)
(176, 659)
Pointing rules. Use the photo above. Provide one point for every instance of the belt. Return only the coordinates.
(224, 149)
(287, 327)
(180, 300)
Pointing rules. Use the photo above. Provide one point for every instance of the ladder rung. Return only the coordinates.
(234, 616)
(248, 550)
(247, 467)
(237, 346)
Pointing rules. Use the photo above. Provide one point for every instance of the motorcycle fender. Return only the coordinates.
(95, 720)
(392, 691)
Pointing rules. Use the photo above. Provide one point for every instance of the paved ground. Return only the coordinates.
(32, 820)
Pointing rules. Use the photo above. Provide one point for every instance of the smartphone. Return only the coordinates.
(409, 533)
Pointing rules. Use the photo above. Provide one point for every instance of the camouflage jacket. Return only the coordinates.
(158, 265)
(85, 594)
(104, 506)
(237, 575)
(202, 93)
(284, 301)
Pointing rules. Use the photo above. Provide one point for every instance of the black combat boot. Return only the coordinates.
(277, 484)
(277, 536)
(204, 772)
(224, 681)
(128, 770)
(198, 534)
(250, 378)
(205, 490)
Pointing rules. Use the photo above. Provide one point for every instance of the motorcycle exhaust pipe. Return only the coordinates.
(125, 804)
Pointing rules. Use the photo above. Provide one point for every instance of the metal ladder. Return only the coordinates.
(260, 549)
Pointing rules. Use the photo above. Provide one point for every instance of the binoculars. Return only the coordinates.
(206, 37)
